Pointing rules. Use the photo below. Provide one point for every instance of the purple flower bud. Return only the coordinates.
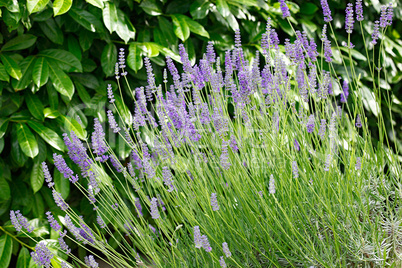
(284, 9)
(122, 60)
(59, 200)
(349, 20)
(23, 221)
(345, 93)
(326, 11)
(310, 124)
(211, 57)
(323, 127)
(358, 121)
(14, 221)
(116, 71)
(224, 158)
(112, 122)
(61, 165)
(237, 38)
(390, 14)
(297, 145)
(90, 261)
(205, 243)
(63, 245)
(226, 250)
(167, 178)
(42, 255)
(358, 163)
(98, 141)
(327, 162)
(100, 222)
(271, 187)
(383, 17)
(214, 202)
(138, 207)
(295, 170)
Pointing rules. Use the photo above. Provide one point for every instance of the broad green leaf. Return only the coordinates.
(61, 81)
(74, 46)
(4, 190)
(11, 67)
(37, 177)
(199, 9)
(40, 72)
(27, 141)
(20, 42)
(49, 135)
(152, 7)
(166, 28)
(308, 8)
(151, 49)
(83, 93)
(86, 39)
(23, 258)
(64, 59)
(6, 250)
(26, 70)
(134, 59)
(61, 6)
(53, 96)
(232, 21)
(40, 228)
(1, 149)
(50, 113)
(167, 52)
(18, 158)
(110, 16)
(180, 27)
(3, 74)
(86, 20)
(194, 26)
(3, 126)
(71, 124)
(38, 208)
(158, 37)
(36, 5)
(52, 31)
(124, 29)
(223, 7)
(108, 59)
(61, 184)
(96, 3)
(35, 105)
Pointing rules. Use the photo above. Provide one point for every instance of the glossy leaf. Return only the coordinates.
(86, 20)
(96, 3)
(70, 124)
(151, 49)
(23, 258)
(49, 135)
(61, 81)
(1, 146)
(18, 158)
(50, 113)
(83, 93)
(27, 141)
(26, 70)
(134, 59)
(152, 7)
(61, 184)
(37, 177)
(52, 31)
(3, 126)
(199, 9)
(110, 16)
(167, 52)
(180, 27)
(3, 74)
(40, 72)
(124, 29)
(61, 6)
(36, 5)
(11, 67)
(195, 27)
(20, 42)
(74, 46)
(123, 109)
(64, 59)
(6, 250)
(5, 193)
(108, 59)
(38, 208)
(166, 28)
(223, 7)
(35, 105)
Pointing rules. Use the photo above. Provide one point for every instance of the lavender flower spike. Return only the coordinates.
(42, 255)
(271, 187)
(345, 93)
(358, 121)
(61, 165)
(214, 202)
(53, 223)
(112, 122)
(14, 221)
(205, 243)
(326, 11)
(110, 93)
(284, 9)
(295, 170)
(226, 250)
(197, 237)
(222, 262)
(359, 10)
(19, 221)
(47, 175)
(349, 21)
(90, 261)
(376, 32)
(154, 208)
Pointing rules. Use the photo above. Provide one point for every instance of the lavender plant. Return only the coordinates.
(236, 166)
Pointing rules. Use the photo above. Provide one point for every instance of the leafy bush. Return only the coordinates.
(237, 166)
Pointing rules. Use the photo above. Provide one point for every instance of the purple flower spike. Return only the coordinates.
(100, 222)
(345, 93)
(326, 11)
(376, 32)
(297, 145)
(358, 163)
(59, 200)
(226, 250)
(222, 262)
(197, 237)
(23, 221)
(47, 175)
(42, 255)
(205, 243)
(295, 170)
(211, 57)
(237, 39)
(90, 261)
(167, 178)
(284, 9)
(154, 208)
(271, 187)
(53, 223)
(61, 165)
(390, 14)
(98, 141)
(214, 202)
(384, 16)
(310, 124)
(112, 122)
(110, 93)
(14, 221)
(359, 10)
(349, 20)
